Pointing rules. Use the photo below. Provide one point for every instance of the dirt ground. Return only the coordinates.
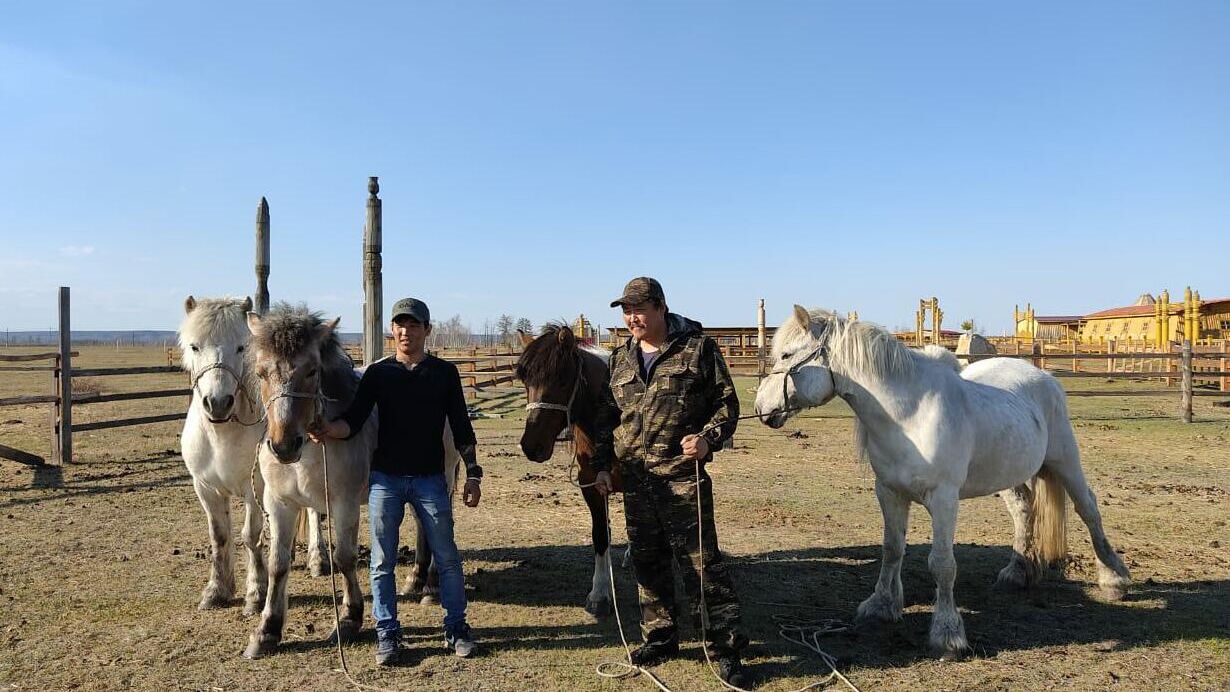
(102, 562)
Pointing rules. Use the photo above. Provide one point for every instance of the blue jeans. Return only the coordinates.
(428, 495)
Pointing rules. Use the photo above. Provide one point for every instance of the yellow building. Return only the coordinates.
(1148, 321)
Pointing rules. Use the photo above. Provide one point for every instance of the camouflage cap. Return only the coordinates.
(642, 289)
(412, 307)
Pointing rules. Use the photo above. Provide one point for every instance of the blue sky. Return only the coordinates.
(533, 156)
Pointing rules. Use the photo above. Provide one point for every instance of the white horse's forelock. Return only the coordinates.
(214, 319)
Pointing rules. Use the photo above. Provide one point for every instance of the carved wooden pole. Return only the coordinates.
(260, 302)
(1186, 364)
(373, 292)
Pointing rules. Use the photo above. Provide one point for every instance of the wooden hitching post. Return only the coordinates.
(373, 292)
(1187, 380)
(260, 302)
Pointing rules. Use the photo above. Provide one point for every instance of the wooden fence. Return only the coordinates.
(61, 399)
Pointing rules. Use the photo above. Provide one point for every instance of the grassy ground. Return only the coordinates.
(101, 564)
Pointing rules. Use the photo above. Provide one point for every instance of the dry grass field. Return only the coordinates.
(102, 562)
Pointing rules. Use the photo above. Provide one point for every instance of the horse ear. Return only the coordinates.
(247, 304)
(525, 338)
(803, 317)
(189, 304)
(566, 337)
(254, 321)
(326, 330)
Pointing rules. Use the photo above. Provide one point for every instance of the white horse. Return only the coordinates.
(219, 440)
(304, 373)
(935, 434)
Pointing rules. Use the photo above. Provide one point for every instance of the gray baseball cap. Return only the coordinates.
(412, 307)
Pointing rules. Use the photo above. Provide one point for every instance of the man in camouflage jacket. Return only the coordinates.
(670, 383)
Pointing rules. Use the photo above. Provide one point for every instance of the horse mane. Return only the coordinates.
(855, 346)
(545, 356)
(218, 319)
(289, 329)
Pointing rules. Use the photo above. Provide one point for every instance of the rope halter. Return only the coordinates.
(566, 408)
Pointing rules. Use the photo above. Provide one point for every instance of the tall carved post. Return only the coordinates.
(937, 318)
(63, 451)
(373, 292)
(260, 301)
(1165, 324)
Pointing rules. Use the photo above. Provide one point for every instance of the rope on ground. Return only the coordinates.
(337, 618)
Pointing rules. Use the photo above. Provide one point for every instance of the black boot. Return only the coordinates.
(730, 669)
(653, 653)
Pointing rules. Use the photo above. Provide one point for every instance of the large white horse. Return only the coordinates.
(304, 373)
(223, 428)
(935, 434)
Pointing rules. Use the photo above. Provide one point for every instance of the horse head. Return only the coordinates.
(550, 367)
(288, 353)
(801, 376)
(212, 341)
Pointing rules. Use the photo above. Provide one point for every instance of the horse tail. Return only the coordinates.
(1050, 525)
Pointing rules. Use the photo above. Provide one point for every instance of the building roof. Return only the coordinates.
(1148, 310)
(1057, 319)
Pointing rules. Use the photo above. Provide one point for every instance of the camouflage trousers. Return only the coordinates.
(662, 533)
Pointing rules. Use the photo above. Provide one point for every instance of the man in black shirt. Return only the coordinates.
(416, 394)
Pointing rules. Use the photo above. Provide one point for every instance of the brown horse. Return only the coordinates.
(567, 386)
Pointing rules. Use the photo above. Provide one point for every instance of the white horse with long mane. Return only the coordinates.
(935, 434)
(223, 427)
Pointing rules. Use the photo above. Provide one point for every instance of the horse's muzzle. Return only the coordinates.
(287, 452)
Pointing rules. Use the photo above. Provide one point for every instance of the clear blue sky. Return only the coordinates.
(535, 155)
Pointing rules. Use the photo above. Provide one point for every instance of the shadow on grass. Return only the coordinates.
(830, 582)
(72, 481)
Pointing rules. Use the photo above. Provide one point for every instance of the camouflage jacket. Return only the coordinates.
(689, 388)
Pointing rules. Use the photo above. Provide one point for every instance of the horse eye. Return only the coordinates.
(312, 372)
(195, 348)
(787, 356)
(239, 350)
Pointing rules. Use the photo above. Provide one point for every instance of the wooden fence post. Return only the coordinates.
(1110, 350)
(1224, 385)
(1187, 380)
(1075, 366)
(1036, 351)
(760, 338)
(65, 361)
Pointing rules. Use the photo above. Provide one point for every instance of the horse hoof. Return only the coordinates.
(348, 630)
(599, 607)
(252, 606)
(1114, 592)
(876, 611)
(429, 599)
(212, 599)
(954, 655)
(1012, 578)
(259, 647)
(411, 591)
(319, 568)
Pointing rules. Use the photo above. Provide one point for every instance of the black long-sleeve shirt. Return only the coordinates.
(414, 404)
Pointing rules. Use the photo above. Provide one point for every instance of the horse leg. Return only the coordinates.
(220, 589)
(416, 583)
(886, 602)
(947, 630)
(318, 553)
(258, 575)
(598, 602)
(282, 521)
(1113, 575)
(346, 533)
(1021, 571)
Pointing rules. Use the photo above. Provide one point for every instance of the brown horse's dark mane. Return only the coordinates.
(544, 358)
